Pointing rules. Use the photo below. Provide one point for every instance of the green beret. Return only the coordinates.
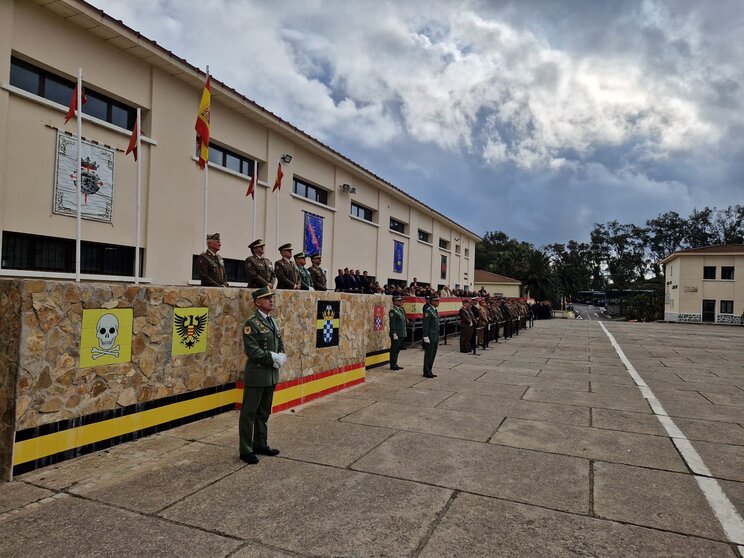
(263, 292)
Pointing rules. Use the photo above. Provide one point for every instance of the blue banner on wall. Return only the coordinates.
(313, 234)
(398, 257)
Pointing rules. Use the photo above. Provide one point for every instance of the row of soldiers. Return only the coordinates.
(480, 320)
(289, 272)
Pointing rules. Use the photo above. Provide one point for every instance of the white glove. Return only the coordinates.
(278, 359)
(395, 336)
(312, 289)
(426, 340)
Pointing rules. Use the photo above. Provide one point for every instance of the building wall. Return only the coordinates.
(509, 290)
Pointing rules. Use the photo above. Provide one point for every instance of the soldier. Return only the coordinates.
(287, 274)
(258, 270)
(483, 321)
(317, 274)
(466, 324)
(306, 284)
(264, 348)
(506, 314)
(431, 335)
(210, 264)
(397, 331)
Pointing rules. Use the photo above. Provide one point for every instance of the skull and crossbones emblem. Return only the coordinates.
(107, 330)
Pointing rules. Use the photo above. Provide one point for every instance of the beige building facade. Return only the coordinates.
(364, 221)
(705, 285)
(495, 284)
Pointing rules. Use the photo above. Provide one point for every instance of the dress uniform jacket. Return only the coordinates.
(260, 338)
(306, 283)
(318, 277)
(287, 274)
(211, 270)
(431, 324)
(397, 322)
(260, 272)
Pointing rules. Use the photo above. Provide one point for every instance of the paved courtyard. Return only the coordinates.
(543, 445)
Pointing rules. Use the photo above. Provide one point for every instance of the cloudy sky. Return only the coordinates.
(534, 117)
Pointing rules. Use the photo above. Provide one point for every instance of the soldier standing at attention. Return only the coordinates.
(466, 324)
(265, 351)
(258, 270)
(397, 331)
(431, 335)
(210, 264)
(317, 274)
(306, 284)
(287, 274)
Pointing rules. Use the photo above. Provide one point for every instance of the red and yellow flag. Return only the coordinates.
(132, 147)
(73, 104)
(251, 186)
(202, 124)
(278, 181)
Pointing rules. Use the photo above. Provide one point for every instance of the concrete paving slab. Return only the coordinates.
(704, 411)
(590, 443)
(477, 526)
(601, 400)
(517, 370)
(202, 428)
(15, 495)
(390, 377)
(323, 441)
(724, 461)
(562, 383)
(393, 394)
(316, 510)
(333, 407)
(658, 499)
(503, 377)
(461, 373)
(71, 526)
(735, 493)
(551, 412)
(253, 550)
(478, 404)
(443, 422)
(553, 481)
(731, 398)
(494, 389)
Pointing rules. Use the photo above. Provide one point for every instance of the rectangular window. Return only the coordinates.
(709, 272)
(234, 270)
(397, 226)
(310, 192)
(361, 212)
(57, 255)
(444, 244)
(727, 307)
(467, 252)
(45, 84)
(423, 236)
(457, 248)
(727, 272)
(223, 157)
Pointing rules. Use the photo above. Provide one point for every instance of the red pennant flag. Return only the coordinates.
(251, 185)
(202, 123)
(73, 104)
(278, 181)
(132, 148)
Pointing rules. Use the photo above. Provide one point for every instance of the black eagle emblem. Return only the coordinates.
(189, 328)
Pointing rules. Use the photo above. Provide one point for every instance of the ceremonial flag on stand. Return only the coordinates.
(132, 147)
(202, 123)
(251, 186)
(73, 104)
(278, 181)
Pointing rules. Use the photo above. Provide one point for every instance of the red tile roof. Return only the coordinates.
(719, 249)
(483, 276)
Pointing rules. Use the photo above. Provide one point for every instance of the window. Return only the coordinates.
(709, 272)
(57, 255)
(58, 89)
(727, 307)
(234, 270)
(361, 212)
(727, 272)
(223, 157)
(397, 226)
(467, 252)
(310, 192)
(457, 248)
(423, 236)
(444, 244)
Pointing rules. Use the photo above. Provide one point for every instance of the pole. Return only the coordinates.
(206, 184)
(79, 193)
(255, 184)
(276, 218)
(138, 124)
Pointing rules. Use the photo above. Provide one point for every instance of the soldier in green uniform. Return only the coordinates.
(317, 274)
(259, 270)
(306, 283)
(287, 274)
(264, 348)
(397, 331)
(466, 326)
(210, 264)
(431, 335)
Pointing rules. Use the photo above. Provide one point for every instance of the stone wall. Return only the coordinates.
(10, 305)
(49, 385)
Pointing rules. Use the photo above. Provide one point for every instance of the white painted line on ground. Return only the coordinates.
(727, 515)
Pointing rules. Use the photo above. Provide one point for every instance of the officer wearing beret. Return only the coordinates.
(264, 348)
(317, 274)
(431, 334)
(287, 274)
(466, 326)
(397, 331)
(210, 264)
(258, 270)
(306, 284)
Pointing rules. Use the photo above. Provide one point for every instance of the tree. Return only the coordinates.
(666, 235)
(539, 278)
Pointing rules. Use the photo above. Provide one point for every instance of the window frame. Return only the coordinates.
(706, 269)
(425, 234)
(321, 194)
(721, 309)
(724, 269)
(399, 222)
(362, 212)
(225, 152)
(444, 244)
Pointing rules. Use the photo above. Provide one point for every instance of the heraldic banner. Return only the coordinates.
(329, 319)
(398, 257)
(379, 317)
(190, 331)
(313, 243)
(97, 179)
(106, 337)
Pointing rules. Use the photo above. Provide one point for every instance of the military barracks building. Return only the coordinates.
(361, 221)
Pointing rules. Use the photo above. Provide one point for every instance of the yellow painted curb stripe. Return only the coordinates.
(303, 390)
(376, 359)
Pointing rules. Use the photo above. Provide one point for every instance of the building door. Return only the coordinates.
(709, 310)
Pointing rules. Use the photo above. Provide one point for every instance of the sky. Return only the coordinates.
(537, 118)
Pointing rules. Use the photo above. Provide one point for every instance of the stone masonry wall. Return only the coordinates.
(10, 304)
(51, 386)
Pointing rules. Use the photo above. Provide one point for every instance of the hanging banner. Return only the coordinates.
(398, 257)
(313, 243)
(189, 331)
(97, 183)
(328, 323)
(444, 268)
(106, 337)
(379, 313)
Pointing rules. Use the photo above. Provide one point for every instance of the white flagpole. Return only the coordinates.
(255, 184)
(139, 190)
(78, 213)
(206, 176)
(276, 218)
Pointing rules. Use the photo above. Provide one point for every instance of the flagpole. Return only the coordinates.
(206, 184)
(138, 125)
(78, 213)
(276, 218)
(255, 183)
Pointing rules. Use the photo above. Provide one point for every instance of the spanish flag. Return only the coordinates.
(202, 124)
(132, 147)
(251, 187)
(73, 104)
(278, 181)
